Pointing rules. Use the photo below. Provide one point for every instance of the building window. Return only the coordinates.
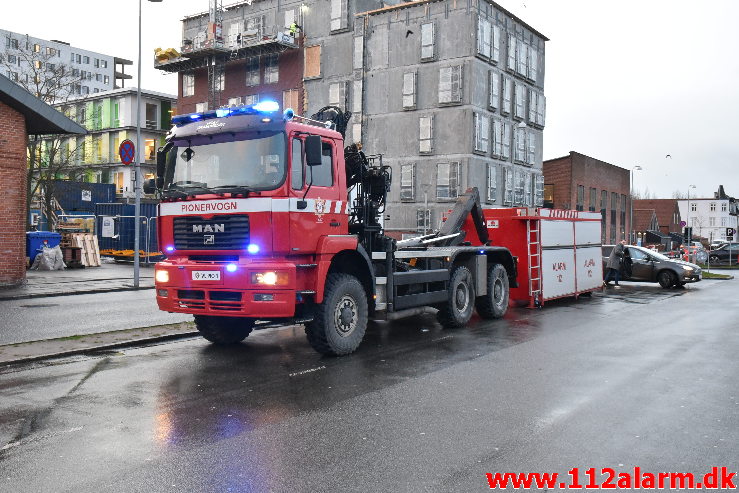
(251, 99)
(234, 101)
(37, 48)
(580, 197)
(103, 64)
(188, 85)
(520, 138)
(425, 134)
(407, 182)
(201, 107)
(337, 94)
(252, 71)
(522, 50)
(254, 28)
(106, 79)
(506, 138)
(427, 41)
(508, 186)
(520, 102)
(497, 138)
(221, 81)
(290, 99)
(519, 187)
(723, 221)
(533, 64)
(423, 220)
(151, 116)
(712, 221)
(507, 96)
(693, 207)
(495, 55)
(511, 52)
(447, 180)
(409, 90)
(593, 199)
(539, 190)
(339, 14)
(723, 206)
(482, 130)
(531, 147)
(271, 69)
(358, 53)
(450, 84)
(96, 63)
(494, 99)
(312, 62)
(712, 206)
(492, 194)
(527, 198)
(483, 37)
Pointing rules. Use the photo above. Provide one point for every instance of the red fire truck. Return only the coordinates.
(266, 218)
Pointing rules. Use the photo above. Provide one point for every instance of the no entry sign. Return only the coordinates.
(127, 151)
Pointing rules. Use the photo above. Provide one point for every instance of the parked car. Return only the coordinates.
(728, 252)
(644, 265)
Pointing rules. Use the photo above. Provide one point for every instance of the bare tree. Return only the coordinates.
(679, 195)
(40, 71)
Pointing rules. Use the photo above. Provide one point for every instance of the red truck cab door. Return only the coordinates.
(325, 211)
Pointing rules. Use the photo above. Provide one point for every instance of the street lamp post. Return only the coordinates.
(688, 238)
(631, 204)
(137, 168)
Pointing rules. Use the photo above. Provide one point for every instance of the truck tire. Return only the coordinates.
(224, 330)
(666, 278)
(495, 303)
(339, 323)
(457, 310)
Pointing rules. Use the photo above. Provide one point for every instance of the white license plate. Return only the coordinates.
(206, 275)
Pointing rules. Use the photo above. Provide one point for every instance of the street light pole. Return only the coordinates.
(631, 205)
(137, 168)
(687, 221)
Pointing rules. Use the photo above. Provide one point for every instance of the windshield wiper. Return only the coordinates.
(232, 189)
(185, 191)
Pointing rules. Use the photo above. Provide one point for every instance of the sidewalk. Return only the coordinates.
(106, 278)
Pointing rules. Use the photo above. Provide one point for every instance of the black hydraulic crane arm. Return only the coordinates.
(467, 203)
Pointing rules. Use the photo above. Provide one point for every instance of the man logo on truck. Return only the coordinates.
(208, 228)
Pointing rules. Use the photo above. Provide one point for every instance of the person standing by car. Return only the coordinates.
(614, 264)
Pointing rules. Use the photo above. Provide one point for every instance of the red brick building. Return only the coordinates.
(583, 183)
(667, 213)
(21, 115)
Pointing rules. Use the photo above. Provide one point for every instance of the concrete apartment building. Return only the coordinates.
(450, 93)
(23, 57)
(583, 183)
(110, 118)
(710, 217)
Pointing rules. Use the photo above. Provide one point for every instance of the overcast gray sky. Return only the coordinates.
(627, 82)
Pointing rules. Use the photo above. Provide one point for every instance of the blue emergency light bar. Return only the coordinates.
(260, 108)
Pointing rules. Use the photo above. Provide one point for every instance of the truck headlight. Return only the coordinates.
(270, 278)
(689, 270)
(161, 276)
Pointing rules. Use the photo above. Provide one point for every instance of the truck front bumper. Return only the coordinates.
(217, 290)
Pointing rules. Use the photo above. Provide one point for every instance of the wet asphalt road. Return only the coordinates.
(641, 376)
(62, 316)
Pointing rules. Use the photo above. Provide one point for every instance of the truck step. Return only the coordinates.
(306, 266)
(307, 291)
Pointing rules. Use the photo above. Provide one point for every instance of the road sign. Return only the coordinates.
(683, 224)
(729, 232)
(127, 151)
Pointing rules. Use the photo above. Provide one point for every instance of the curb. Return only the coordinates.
(71, 293)
(104, 347)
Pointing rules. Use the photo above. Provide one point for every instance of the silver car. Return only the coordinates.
(644, 265)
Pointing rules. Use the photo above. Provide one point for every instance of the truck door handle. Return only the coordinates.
(334, 224)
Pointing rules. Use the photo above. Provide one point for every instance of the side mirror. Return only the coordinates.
(313, 150)
(150, 185)
(161, 162)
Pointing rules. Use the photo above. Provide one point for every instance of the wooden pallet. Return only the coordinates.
(88, 243)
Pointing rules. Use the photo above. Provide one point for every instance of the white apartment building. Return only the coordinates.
(710, 217)
(23, 57)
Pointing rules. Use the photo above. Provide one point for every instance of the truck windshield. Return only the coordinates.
(256, 163)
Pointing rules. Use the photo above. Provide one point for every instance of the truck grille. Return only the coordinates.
(217, 233)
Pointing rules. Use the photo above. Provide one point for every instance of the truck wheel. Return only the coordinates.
(340, 321)
(224, 330)
(457, 310)
(666, 278)
(495, 303)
